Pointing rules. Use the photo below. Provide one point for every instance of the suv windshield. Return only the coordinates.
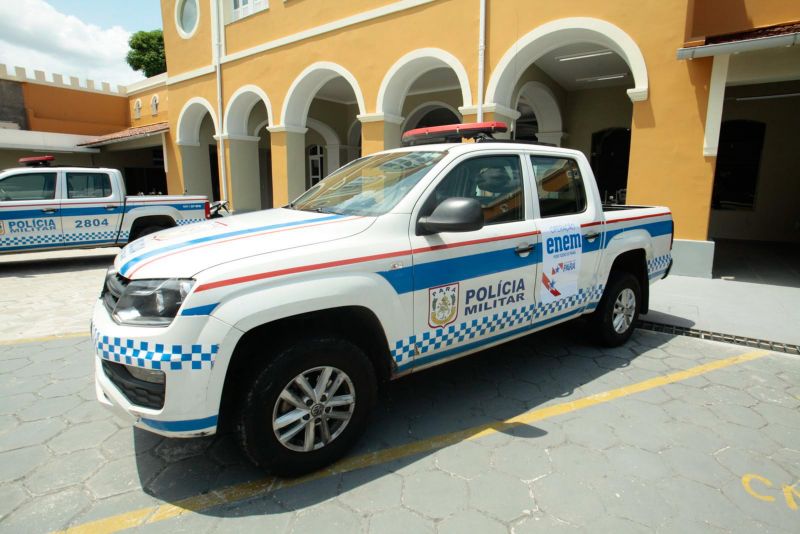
(368, 186)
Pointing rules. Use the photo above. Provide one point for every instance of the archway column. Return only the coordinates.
(380, 131)
(553, 138)
(241, 157)
(287, 144)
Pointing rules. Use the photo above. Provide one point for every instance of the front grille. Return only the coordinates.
(114, 287)
(138, 392)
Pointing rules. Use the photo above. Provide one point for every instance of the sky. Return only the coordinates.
(83, 38)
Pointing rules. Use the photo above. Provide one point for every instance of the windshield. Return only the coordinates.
(369, 186)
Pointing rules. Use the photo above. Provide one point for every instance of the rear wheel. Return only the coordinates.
(307, 406)
(612, 322)
(146, 231)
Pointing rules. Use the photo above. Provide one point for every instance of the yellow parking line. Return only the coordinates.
(24, 340)
(248, 490)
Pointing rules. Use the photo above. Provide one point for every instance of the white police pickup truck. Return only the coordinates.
(282, 323)
(45, 208)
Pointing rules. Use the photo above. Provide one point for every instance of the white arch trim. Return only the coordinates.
(548, 115)
(305, 87)
(332, 143)
(418, 112)
(555, 34)
(241, 103)
(190, 119)
(407, 69)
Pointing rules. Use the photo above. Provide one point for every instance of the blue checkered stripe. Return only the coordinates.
(155, 355)
(434, 340)
(77, 237)
(184, 222)
(659, 263)
(36, 239)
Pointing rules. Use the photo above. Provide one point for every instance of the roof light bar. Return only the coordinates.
(452, 132)
(36, 161)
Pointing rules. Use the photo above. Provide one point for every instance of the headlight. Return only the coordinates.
(151, 302)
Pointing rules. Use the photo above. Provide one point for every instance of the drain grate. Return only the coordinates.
(716, 336)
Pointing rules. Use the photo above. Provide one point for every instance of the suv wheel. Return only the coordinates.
(307, 406)
(613, 320)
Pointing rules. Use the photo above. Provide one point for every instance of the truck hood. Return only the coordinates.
(184, 251)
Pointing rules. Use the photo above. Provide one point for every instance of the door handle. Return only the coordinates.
(592, 236)
(524, 249)
(110, 207)
(48, 210)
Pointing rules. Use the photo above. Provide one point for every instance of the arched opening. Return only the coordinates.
(571, 83)
(247, 117)
(322, 104)
(425, 87)
(197, 128)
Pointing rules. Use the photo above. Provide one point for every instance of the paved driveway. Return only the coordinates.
(667, 434)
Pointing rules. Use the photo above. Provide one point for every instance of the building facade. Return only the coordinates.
(690, 104)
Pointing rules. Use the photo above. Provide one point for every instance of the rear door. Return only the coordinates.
(29, 211)
(90, 208)
(472, 289)
(571, 222)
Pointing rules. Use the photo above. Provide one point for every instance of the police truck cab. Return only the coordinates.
(281, 324)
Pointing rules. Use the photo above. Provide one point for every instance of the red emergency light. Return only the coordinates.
(36, 161)
(450, 132)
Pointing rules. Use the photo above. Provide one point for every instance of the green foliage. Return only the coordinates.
(147, 52)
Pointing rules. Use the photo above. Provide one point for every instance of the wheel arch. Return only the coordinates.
(634, 261)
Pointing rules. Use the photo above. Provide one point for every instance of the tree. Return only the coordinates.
(147, 52)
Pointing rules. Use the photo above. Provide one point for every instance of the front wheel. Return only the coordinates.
(307, 406)
(612, 322)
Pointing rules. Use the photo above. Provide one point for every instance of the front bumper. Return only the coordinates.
(193, 353)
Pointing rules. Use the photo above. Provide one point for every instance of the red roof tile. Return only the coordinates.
(127, 135)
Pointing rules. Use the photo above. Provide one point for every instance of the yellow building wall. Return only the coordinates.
(666, 165)
(185, 55)
(147, 116)
(61, 110)
(719, 17)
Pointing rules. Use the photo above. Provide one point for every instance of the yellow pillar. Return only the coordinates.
(287, 145)
(380, 132)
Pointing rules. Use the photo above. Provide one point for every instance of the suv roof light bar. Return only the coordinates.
(36, 161)
(454, 132)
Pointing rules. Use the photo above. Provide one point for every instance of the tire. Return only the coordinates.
(613, 321)
(147, 230)
(264, 408)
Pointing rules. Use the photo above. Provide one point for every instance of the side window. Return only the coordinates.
(494, 181)
(88, 185)
(28, 186)
(559, 186)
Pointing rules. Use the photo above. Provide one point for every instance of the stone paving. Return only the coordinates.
(50, 293)
(714, 453)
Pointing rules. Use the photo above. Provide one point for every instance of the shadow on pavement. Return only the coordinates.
(483, 389)
(667, 318)
(34, 267)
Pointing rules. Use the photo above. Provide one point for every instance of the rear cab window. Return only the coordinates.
(88, 185)
(559, 186)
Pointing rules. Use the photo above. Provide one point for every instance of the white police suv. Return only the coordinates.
(282, 323)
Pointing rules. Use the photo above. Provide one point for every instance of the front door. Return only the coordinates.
(473, 289)
(29, 211)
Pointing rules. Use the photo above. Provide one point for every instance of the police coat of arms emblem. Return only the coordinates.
(442, 305)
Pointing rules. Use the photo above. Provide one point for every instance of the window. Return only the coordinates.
(316, 161)
(137, 109)
(495, 181)
(28, 186)
(244, 8)
(154, 105)
(88, 185)
(559, 185)
(186, 16)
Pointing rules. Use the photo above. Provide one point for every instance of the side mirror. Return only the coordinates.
(454, 214)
